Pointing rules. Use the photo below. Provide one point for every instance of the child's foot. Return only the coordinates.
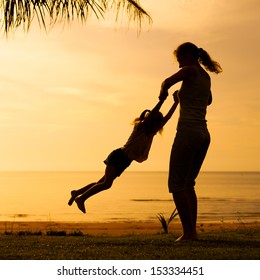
(80, 204)
(73, 196)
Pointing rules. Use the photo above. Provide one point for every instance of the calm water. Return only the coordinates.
(43, 196)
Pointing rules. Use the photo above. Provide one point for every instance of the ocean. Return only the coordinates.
(135, 196)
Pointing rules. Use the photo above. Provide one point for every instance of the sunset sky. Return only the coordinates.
(67, 97)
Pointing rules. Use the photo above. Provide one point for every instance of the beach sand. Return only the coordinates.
(116, 228)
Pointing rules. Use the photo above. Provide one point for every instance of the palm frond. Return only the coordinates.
(68, 10)
(15, 13)
(135, 13)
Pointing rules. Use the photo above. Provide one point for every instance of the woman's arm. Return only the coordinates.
(181, 75)
(210, 99)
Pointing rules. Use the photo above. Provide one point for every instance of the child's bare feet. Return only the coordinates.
(80, 204)
(73, 196)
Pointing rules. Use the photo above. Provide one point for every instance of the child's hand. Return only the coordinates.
(176, 96)
(163, 95)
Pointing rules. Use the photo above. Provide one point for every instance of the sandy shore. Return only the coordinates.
(115, 228)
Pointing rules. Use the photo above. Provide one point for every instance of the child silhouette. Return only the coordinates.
(136, 148)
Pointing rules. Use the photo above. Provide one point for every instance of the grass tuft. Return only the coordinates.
(164, 222)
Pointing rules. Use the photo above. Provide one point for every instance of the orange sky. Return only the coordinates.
(68, 97)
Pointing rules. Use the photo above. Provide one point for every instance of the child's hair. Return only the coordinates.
(201, 55)
(154, 124)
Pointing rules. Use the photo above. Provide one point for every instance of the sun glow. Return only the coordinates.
(71, 94)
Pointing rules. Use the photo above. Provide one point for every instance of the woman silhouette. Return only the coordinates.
(192, 138)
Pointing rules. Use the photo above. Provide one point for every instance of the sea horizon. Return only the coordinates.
(134, 196)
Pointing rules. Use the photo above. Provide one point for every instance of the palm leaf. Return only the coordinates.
(15, 13)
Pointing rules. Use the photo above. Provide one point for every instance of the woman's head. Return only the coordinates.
(189, 52)
(152, 122)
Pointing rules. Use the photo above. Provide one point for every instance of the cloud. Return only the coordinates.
(66, 91)
(91, 93)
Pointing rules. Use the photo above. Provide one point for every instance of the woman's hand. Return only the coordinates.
(185, 72)
(163, 93)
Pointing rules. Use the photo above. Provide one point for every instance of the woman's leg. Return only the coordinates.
(197, 162)
(186, 205)
(181, 183)
(194, 209)
(103, 184)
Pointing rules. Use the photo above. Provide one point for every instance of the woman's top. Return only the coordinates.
(194, 98)
(138, 144)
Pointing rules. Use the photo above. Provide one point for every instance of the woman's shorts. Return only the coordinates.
(188, 153)
(119, 160)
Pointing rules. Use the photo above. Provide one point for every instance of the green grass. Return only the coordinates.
(223, 245)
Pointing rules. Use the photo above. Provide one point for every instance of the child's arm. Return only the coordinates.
(173, 108)
(158, 105)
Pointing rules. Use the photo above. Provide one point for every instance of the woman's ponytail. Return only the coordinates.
(199, 54)
(207, 62)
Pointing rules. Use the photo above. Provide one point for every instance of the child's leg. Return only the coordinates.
(104, 184)
(75, 193)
